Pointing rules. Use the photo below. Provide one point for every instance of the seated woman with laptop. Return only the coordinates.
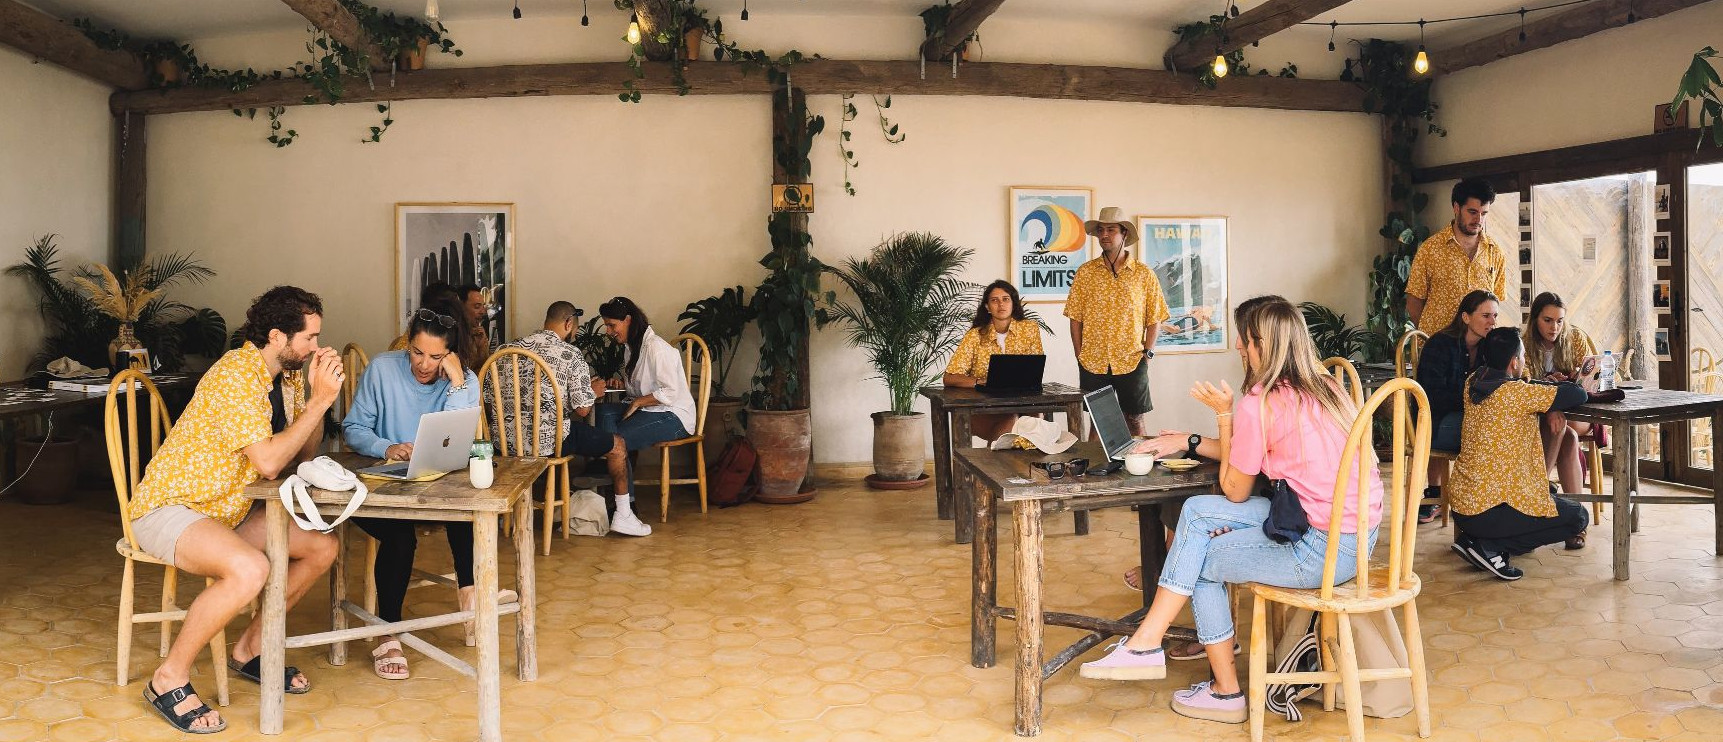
(1555, 351)
(398, 388)
(999, 327)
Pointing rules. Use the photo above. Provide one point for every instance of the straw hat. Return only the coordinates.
(1111, 215)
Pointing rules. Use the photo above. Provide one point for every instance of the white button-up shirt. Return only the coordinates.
(660, 374)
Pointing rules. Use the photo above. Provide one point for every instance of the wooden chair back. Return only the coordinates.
(694, 349)
(1703, 361)
(1407, 475)
(353, 362)
(1406, 354)
(121, 427)
(1348, 376)
(523, 370)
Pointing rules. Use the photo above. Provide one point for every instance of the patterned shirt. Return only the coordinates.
(979, 344)
(1501, 454)
(202, 464)
(571, 374)
(1115, 307)
(1442, 275)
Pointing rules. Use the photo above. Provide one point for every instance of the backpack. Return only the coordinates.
(731, 476)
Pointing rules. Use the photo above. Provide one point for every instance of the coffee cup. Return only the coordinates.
(1139, 464)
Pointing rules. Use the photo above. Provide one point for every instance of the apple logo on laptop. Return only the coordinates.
(445, 441)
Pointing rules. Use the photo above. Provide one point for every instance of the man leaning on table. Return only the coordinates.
(190, 510)
(1116, 309)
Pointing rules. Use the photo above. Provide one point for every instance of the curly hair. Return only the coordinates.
(983, 317)
(281, 308)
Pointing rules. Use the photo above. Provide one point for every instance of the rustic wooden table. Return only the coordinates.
(1645, 407)
(451, 498)
(1009, 476)
(951, 411)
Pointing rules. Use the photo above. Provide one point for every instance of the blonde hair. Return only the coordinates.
(1288, 357)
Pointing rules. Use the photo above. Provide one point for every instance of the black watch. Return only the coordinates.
(1194, 441)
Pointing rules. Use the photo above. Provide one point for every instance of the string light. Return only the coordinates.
(1522, 25)
(517, 10)
(744, 10)
(1421, 64)
(1333, 26)
(634, 29)
(432, 13)
(1220, 69)
(584, 21)
(1630, 17)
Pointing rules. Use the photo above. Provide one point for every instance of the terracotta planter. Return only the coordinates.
(169, 71)
(413, 59)
(899, 446)
(782, 441)
(691, 39)
(53, 479)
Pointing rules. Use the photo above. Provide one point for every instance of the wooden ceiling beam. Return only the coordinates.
(1249, 27)
(332, 18)
(48, 38)
(965, 17)
(1067, 82)
(1548, 31)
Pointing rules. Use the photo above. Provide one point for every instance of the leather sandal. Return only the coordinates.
(380, 661)
(1575, 543)
(164, 703)
(253, 669)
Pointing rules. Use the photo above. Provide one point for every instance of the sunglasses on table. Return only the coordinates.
(1058, 469)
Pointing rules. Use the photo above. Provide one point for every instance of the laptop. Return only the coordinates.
(1009, 373)
(1109, 420)
(444, 443)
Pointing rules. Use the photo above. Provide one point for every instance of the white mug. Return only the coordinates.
(1139, 464)
(480, 473)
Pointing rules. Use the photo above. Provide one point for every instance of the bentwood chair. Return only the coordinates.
(353, 363)
(1406, 354)
(1378, 586)
(512, 383)
(689, 344)
(1348, 376)
(130, 394)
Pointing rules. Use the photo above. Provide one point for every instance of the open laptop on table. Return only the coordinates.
(1109, 420)
(1013, 374)
(444, 443)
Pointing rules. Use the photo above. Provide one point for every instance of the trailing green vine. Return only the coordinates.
(1216, 26)
(787, 302)
(849, 155)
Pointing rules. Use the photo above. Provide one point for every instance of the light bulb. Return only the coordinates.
(1220, 65)
(1421, 65)
(633, 30)
(432, 13)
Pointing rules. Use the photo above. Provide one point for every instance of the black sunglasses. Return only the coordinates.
(430, 316)
(1057, 469)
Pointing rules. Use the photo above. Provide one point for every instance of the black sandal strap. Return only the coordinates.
(165, 702)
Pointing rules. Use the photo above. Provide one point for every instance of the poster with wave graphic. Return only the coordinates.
(1045, 231)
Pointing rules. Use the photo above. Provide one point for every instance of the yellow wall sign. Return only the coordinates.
(793, 197)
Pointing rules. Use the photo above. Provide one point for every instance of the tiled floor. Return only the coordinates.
(847, 618)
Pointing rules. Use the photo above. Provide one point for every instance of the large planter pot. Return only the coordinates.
(723, 423)
(691, 39)
(413, 58)
(781, 441)
(53, 478)
(899, 446)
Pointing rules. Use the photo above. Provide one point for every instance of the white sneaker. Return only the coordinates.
(625, 523)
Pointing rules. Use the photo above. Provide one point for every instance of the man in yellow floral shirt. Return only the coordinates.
(190, 509)
(1116, 309)
(1456, 261)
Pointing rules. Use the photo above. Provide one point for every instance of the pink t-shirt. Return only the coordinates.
(1304, 447)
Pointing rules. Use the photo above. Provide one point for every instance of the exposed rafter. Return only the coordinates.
(1581, 21)
(330, 17)
(965, 17)
(1249, 27)
(819, 77)
(41, 35)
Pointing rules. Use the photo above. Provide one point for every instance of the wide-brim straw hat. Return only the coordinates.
(1111, 215)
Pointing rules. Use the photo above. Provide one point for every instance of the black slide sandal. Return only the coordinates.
(163, 703)
(252, 671)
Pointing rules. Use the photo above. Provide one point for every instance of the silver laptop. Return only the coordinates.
(1109, 419)
(444, 443)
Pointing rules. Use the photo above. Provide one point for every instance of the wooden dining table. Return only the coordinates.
(452, 499)
(953, 408)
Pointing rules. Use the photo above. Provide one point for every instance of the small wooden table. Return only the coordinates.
(953, 408)
(1645, 407)
(451, 498)
(1374, 375)
(993, 473)
(18, 400)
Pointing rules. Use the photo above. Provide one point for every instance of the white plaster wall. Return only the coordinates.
(56, 149)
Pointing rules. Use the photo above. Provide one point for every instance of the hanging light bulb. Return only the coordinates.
(432, 13)
(1333, 26)
(517, 10)
(584, 21)
(634, 29)
(1522, 25)
(744, 10)
(1630, 16)
(1220, 69)
(1421, 64)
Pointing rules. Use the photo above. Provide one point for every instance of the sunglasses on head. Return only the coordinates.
(430, 316)
(1057, 469)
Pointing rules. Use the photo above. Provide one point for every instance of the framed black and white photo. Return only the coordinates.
(1662, 199)
(456, 243)
(1660, 248)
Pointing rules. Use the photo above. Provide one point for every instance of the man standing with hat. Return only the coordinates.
(1116, 309)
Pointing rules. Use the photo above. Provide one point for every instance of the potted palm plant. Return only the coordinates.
(910, 310)
(720, 320)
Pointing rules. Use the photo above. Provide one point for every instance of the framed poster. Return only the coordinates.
(1045, 232)
(1189, 256)
(456, 243)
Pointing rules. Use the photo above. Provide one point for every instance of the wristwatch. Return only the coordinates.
(1194, 441)
(1148, 354)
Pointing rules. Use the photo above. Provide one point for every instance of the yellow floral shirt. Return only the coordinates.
(1441, 275)
(1501, 455)
(980, 343)
(1579, 345)
(1115, 308)
(202, 465)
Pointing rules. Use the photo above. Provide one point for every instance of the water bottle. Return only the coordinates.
(1606, 372)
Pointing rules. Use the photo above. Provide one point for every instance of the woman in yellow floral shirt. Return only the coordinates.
(1500, 493)
(999, 327)
(1554, 352)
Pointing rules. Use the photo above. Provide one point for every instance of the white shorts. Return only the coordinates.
(159, 530)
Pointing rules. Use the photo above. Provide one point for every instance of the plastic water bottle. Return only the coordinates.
(1606, 372)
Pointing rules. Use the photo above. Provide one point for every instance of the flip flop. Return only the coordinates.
(1136, 572)
(379, 661)
(252, 671)
(163, 703)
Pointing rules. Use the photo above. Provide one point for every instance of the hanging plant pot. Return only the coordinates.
(169, 71)
(414, 58)
(899, 448)
(782, 441)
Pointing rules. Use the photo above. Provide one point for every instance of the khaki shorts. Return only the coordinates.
(159, 530)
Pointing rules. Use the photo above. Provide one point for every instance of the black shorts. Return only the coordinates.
(1132, 386)
(586, 440)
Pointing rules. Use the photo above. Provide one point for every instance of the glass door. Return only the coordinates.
(1704, 262)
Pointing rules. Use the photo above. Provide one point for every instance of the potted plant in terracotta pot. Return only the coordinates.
(786, 309)
(720, 320)
(911, 309)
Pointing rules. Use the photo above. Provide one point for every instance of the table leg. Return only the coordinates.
(271, 705)
(1626, 476)
(984, 551)
(526, 583)
(1716, 485)
(964, 504)
(338, 596)
(1027, 517)
(1152, 547)
(485, 623)
(941, 460)
(1074, 423)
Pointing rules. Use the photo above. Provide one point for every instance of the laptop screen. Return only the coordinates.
(1109, 420)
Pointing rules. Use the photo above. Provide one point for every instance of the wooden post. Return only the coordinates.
(129, 188)
(786, 101)
(1074, 423)
(983, 625)
(1626, 468)
(1027, 517)
(1151, 547)
(338, 596)
(485, 623)
(272, 701)
(526, 585)
(943, 494)
(963, 531)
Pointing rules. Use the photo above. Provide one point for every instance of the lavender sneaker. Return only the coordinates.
(1124, 663)
(1201, 702)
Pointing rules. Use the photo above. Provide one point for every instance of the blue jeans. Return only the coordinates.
(641, 430)
(1200, 566)
(1446, 437)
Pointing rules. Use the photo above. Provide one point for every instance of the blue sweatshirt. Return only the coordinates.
(389, 401)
